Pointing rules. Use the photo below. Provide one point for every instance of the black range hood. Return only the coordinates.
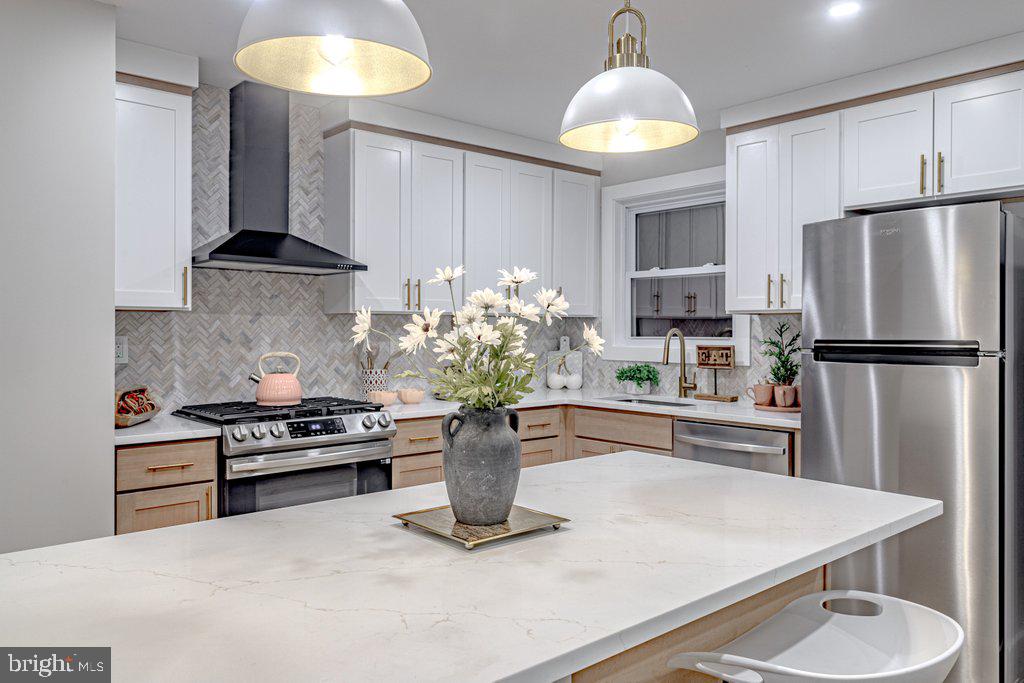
(258, 184)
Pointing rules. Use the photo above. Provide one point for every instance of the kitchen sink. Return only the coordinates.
(672, 403)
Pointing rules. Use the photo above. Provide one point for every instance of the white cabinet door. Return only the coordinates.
(751, 218)
(488, 217)
(808, 192)
(887, 150)
(436, 222)
(153, 199)
(576, 238)
(979, 133)
(382, 221)
(530, 239)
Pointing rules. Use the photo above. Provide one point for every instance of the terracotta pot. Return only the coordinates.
(761, 394)
(785, 395)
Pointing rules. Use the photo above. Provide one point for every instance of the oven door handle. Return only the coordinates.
(730, 445)
(309, 459)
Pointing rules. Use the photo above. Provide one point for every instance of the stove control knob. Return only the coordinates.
(276, 430)
(384, 420)
(259, 432)
(369, 421)
(240, 433)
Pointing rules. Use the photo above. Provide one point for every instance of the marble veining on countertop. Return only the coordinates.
(339, 590)
(164, 427)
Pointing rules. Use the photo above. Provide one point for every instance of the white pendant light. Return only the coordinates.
(353, 48)
(630, 107)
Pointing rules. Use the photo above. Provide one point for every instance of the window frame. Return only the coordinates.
(620, 204)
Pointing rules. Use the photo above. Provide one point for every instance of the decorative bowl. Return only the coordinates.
(385, 398)
(410, 395)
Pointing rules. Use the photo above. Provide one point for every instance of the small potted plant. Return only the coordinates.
(639, 378)
(784, 368)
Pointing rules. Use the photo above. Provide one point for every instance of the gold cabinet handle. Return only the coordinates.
(769, 290)
(539, 425)
(414, 439)
(657, 299)
(924, 163)
(408, 293)
(175, 466)
(209, 504)
(782, 284)
(938, 171)
(693, 302)
(419, 292)
(184, 286)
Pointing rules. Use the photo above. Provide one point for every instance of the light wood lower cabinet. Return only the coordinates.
(539, 423)
(165, 484)
(542, 451)
(586, 448)
(155, 508)
(650, 431)
(413, 470)
(417, 436)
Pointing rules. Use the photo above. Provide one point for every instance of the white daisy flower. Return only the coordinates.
(518, 307)
(446, 345)
(482, 333)
(486, 299)
(592, 340)
(518, 276)
(447, 274)
(420, 329)
(517, 329)
(362, 327)
(552, 304)
(468, 315)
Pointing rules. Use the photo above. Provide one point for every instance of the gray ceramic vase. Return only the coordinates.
(481, 463)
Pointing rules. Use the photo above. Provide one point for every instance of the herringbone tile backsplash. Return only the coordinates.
(207, 354)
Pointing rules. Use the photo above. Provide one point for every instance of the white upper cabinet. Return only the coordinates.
(887, 150)
(153, 199)
(751, 219)
(488, 219)
(808, 193)
(576, 249)
(437, 184)
(979, 135)
(382, 221)
(531, 237)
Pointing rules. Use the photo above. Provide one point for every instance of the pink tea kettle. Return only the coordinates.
(277, 388)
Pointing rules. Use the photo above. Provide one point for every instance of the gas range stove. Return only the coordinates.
(321, 448)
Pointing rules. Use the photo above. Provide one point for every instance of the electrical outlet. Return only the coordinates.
(120, 349)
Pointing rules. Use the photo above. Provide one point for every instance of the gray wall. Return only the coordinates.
(57, 308)
(706, 151)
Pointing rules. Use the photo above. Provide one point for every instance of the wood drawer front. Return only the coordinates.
(413, 470)
(168, 464)
(586, 448)
(418, 436)
(158, 508)
(542, 451)
(652, 431)
(540, 423)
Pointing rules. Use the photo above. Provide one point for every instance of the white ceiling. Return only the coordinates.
(513, 65)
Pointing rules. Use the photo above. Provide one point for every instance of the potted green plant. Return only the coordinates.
(639, 378)
(784, 368)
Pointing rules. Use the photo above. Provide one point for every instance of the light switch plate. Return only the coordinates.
(120, 349)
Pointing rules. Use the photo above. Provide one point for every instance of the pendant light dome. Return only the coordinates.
(351, 48)
(630, 107)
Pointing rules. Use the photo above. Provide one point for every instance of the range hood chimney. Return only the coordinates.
(258, 205)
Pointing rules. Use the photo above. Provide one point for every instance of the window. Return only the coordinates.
(663, 266)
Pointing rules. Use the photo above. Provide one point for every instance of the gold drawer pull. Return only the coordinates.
(539, 425)
(209, 505)
(184, 286)
(924, 183)
(175, 466)
(939, 172)
(413, 439)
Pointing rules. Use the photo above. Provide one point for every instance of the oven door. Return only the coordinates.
(275, 480)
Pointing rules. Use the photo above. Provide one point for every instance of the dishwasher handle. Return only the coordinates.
(730, 445)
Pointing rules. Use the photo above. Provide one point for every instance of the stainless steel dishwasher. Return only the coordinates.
(744, 447)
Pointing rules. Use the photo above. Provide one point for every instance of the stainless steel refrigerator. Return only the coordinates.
(912, 335)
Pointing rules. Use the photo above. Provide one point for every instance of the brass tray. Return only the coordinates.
(441, 521)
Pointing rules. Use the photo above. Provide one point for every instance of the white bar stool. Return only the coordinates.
(900, 641)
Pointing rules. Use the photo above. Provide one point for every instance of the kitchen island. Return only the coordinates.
(341, 591)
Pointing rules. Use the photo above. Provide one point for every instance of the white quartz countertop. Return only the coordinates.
(164, 427)
(741, 411)
(339, 590)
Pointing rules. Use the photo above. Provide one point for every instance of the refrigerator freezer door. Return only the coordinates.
(923, 430)
(926, 274)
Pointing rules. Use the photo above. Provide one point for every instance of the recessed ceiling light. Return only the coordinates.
(843, 9)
